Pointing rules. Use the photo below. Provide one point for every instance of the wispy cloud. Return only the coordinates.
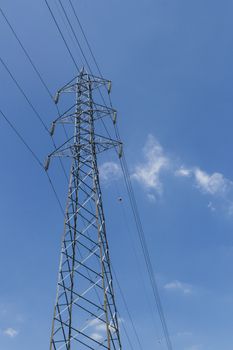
(184, 288)
(184, 172)
(194, 347)
(97, 336)
(215, 185)
(97, 329)
(156, 162)
(11, 332)
(109, 171)
(148, 173)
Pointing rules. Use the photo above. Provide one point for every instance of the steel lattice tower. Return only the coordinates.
(85, 315)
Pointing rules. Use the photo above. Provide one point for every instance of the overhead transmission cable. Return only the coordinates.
(74, 34)
(127, 309)
(145, 251)
(23, 93)
(62, 36)
(134, 250)
(85, 37)
(29, 59)
(26, 53)
(80, 48)
(33, 109)
(29, 148)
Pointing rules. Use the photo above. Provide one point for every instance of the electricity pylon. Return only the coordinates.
(85, 315)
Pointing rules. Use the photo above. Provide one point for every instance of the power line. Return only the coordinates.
(89, 47)
(34, 110)
(78, 43)
(85, 37)
(127, 310)
(143, 243)
(142, 239)
(145, 251)
(153, 320)
(82, 52)
(23, 93)
(61, 34)
(30, 60)
(26, 52)
(74, 34)
(29, 148)
(22, 139)
(132, 244)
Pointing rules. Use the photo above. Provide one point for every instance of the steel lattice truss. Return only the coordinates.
(85, 315)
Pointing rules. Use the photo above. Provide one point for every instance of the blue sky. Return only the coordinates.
(171, 67)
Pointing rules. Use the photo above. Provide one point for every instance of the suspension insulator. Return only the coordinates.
(120, 152)
(56, 97)
(114, 117)
(52, 129)
(109, 86)
(47, 162)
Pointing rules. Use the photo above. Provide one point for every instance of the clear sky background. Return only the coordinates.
(172, 72)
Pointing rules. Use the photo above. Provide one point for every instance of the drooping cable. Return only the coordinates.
(23, 93)
(127, 309)
(74, 34)
(78, 43)
(61, 34)
(30, 60)
(25, 52)
(29, 148)
(33, 109)
(143, 243)
(85, 37)
(145, 251)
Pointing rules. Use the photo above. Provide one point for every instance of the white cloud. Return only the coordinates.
(11, 332)
(97, 329)
(179, 286)
(98, 337)
(194, 347)
(148, 173)
(211, 206)
(182, 171)
(215, 184)
(94, 322)
(109, 171)
(151, 197)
